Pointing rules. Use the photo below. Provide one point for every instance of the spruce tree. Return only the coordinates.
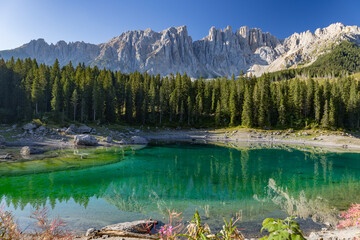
(36, 93)
(247, 115)
(325, 118)
(56, 101)
(74, 102)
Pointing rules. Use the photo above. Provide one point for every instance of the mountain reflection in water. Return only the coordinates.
(218, 181)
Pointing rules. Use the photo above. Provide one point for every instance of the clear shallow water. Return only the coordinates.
(113, 185)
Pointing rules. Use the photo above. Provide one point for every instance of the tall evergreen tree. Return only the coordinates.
(247, 116)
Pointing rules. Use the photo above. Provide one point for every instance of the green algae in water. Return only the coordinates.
(63, 160)
(219, 182)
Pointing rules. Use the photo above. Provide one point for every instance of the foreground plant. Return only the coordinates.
(196, 230)
(8, 227)
(230, 230)
(279, 229)
(351, 217)
(54, 229)
(173, 227)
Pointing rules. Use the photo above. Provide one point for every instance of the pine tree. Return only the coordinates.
(325, 118)
(247, 115)
(317, 103)
(282, 112)
(36, 93)
(332, 113)
(56, 101)
(152, 98)
(218, 114)
(74, 102)
(233, 106)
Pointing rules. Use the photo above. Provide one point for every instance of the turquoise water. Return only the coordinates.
(122, 185)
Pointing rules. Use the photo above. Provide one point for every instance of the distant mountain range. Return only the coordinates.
(221, 53)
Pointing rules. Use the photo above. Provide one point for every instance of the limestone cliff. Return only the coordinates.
(221, 53)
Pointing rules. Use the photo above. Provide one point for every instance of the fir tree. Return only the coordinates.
(74, 102)
(247, 109)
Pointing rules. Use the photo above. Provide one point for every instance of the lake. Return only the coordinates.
(116, 185)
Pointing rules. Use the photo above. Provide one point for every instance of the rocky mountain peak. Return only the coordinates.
(222, 52)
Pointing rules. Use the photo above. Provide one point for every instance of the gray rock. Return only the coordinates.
(85, 140)
(138, 140)
(29, 126)
(83, 129)
(2, 140)
(108, 139)
(41, 130)
(222, 52)
(313, 236)
(142, 226)
(90, 232)
(6, 156)
(71, 129)
(27, 150)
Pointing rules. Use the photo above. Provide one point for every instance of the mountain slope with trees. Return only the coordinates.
(86, 94)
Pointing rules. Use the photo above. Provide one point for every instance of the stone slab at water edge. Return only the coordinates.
(85, 140)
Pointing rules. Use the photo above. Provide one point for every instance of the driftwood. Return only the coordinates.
(112, 233)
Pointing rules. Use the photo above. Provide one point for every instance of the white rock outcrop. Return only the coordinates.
(85, 140)
(223, 52)
(27, 150)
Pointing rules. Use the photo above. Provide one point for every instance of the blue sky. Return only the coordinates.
(98, 21)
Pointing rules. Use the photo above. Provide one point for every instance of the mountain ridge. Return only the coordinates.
(222, 52)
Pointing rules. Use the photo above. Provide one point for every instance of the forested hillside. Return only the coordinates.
(342, 59)
(85, 94)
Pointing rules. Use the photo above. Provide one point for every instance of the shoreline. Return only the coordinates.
(236, 138)
(332, 140)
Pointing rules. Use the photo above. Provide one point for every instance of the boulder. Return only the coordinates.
(2, 140)
(138, 140)
(71, 129)
(90, 232)
(142, 226)
(29, 126)
(122, 142)
(41, 130)
(85, 140)
(26, 151)
(83, 129)
(108, 139)
(6, 156)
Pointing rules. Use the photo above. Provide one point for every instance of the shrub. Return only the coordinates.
(38, 122)
(8, 227)
(173, 227)
(197, 230)
(351, 217)
(50, 229)
(279, 229)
